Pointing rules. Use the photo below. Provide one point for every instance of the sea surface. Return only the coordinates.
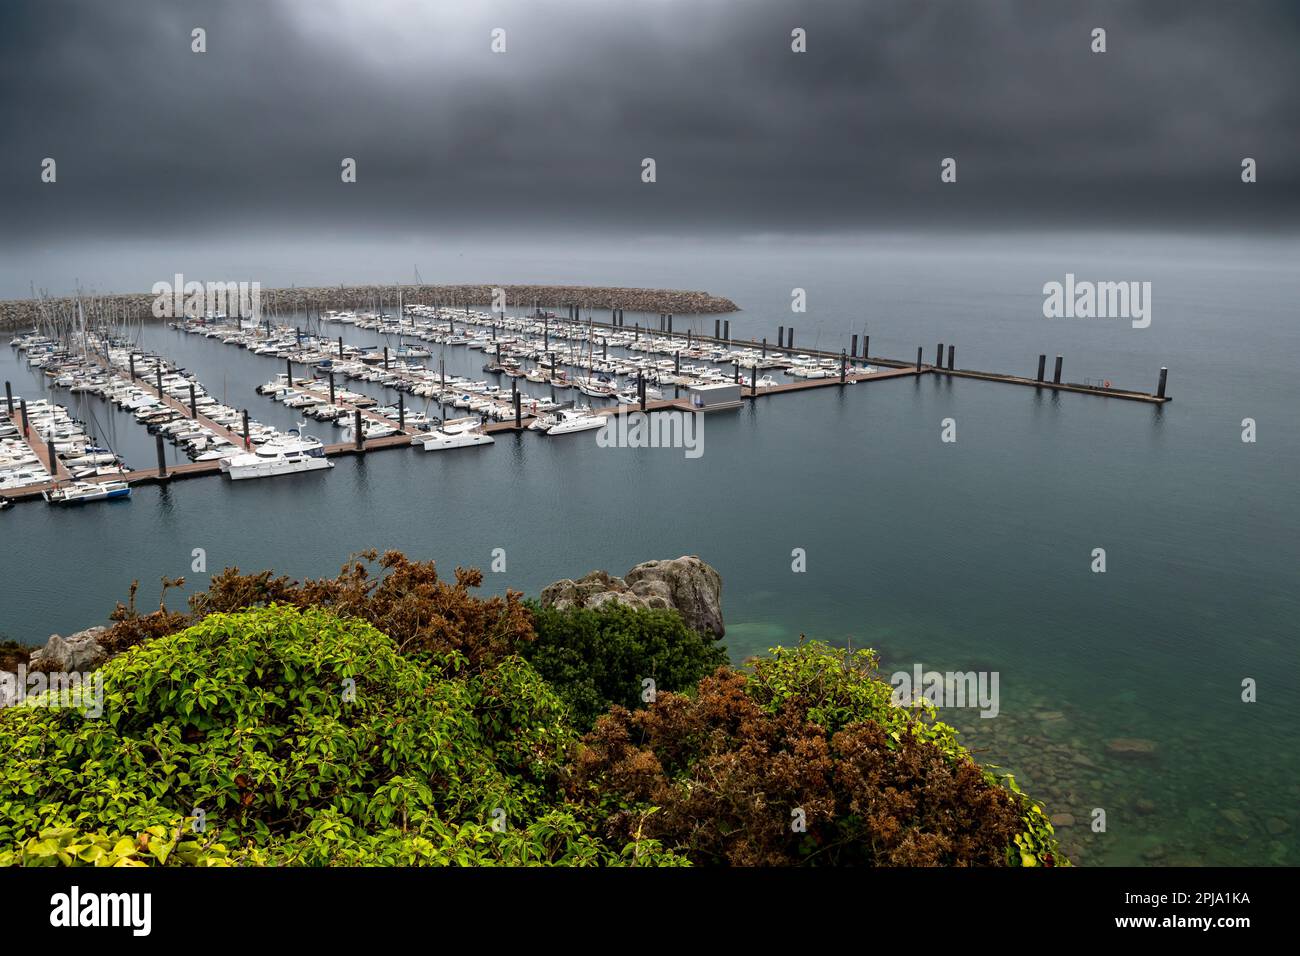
(974, 554)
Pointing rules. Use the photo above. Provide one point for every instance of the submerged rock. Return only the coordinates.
(75, 653)
(1132, 747)
(686, 585)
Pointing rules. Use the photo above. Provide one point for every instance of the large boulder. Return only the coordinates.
(686, 585)
(78, 652)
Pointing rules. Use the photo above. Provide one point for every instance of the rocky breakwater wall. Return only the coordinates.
(24, 313)
(686, 585)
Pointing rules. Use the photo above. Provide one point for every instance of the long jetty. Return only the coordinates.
(944, 362)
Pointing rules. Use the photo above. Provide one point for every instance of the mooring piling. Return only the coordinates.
(162, 455)
(359, 435)
(952, 352)
(1164, 376)
(1056, 375)
(1042, 366)
(9, 398)
(247, 443)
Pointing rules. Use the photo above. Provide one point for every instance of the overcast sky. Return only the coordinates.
(153, 141)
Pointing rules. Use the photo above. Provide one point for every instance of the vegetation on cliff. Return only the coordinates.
(393, 718)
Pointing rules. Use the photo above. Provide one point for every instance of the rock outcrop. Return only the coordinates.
(77, 652)
(686, 585)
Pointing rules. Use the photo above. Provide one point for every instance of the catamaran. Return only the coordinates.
(459, 433)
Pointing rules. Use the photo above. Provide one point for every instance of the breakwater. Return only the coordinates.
(23, 313)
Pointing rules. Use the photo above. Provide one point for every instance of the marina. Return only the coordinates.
(620, 370)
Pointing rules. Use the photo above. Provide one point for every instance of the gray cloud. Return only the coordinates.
(152, 139)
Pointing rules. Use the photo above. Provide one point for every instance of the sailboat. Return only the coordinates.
(80, 492)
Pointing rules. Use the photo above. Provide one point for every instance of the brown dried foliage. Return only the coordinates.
(726, 777)
(13, 655)
(404, 598)
(130, 627)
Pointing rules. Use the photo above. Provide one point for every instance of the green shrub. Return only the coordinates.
(303, 738)
(595, 658)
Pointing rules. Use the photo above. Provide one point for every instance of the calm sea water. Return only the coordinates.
(974, 554)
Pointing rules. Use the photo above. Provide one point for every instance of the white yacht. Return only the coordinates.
(439, 440)
(575, 420)
(282, 455)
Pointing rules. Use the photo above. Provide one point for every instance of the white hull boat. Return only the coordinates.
(438, 440)
(288, 455)
(80, 492)
(571, 421)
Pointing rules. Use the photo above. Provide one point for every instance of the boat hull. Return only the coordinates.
(274, 469)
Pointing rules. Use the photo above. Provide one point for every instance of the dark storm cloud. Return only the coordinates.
(153, 139)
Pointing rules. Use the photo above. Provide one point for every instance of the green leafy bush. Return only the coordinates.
(300, 737)
(595, 658)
